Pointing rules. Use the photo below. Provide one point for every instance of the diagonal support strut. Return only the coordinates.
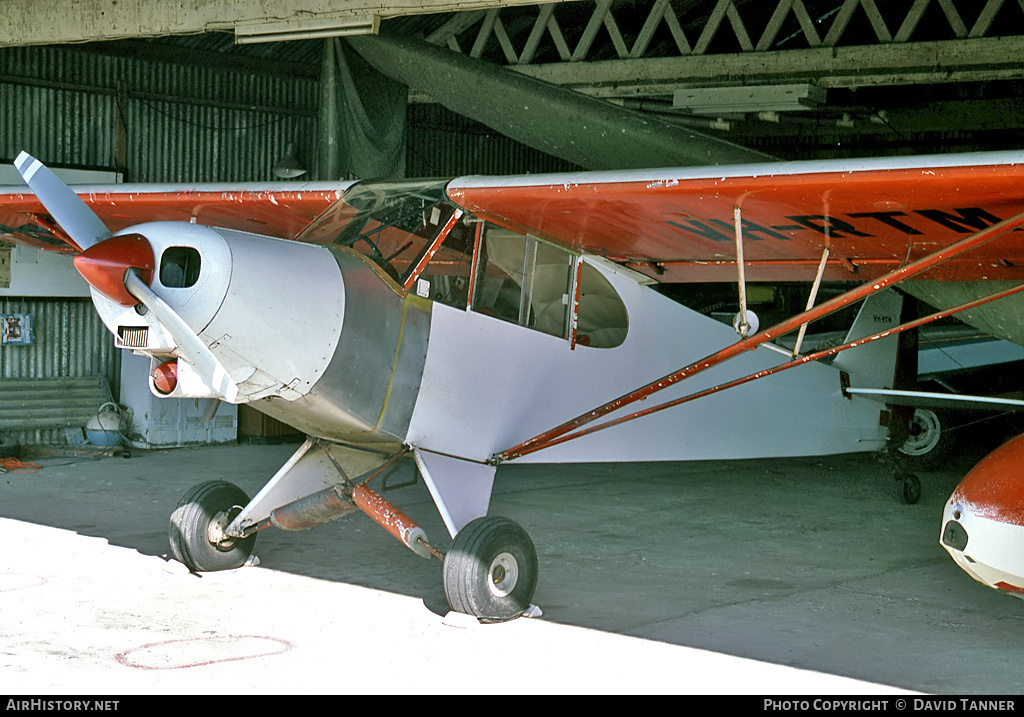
(907, 271)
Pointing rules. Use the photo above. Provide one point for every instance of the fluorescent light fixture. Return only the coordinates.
(761, 98)
(306, 29)
(289, 166)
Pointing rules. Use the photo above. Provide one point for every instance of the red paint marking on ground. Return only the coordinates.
(122, 658)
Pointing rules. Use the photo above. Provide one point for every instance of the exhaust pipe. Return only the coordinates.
(316, 509)
(333, 503)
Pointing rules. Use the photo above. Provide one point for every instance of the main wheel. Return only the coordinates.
(197, 528)
(930, 441)
(490, 571)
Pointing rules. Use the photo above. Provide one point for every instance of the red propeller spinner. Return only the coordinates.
(104, 265)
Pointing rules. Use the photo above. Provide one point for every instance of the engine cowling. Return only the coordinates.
(308, 334)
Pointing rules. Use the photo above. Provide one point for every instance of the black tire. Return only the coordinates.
(911, 491)
(490, 572)
(9, 448)
(930, 442)
(211, 504)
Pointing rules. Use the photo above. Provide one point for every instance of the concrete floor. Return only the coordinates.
(757, 577)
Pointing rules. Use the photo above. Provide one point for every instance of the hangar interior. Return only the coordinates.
(792, 563)
(283, 91)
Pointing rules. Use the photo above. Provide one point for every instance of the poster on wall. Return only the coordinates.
(16, 329)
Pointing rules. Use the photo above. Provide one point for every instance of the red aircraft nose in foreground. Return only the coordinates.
(983, 521)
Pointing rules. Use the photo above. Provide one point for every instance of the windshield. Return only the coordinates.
(426, 244)
(390, 222)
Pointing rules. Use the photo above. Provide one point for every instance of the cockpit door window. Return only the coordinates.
(524, 281)
(547, 289)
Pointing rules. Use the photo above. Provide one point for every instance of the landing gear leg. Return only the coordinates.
(490, 571)
(197, 528)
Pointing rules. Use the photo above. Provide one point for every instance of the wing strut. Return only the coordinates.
(743, 323)
(570, 429)
(811, 299)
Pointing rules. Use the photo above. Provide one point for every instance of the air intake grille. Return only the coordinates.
(132, 337)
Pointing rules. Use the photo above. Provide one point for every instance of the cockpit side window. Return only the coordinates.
(547, 290)
(499, 280)
(525, 281)
(602, 320)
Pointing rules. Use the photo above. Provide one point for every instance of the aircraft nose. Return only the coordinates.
(994, 488)
(103, 265)
(985, 515)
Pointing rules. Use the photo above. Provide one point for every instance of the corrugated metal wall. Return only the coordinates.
(189, 123)
(69, 128)
(68, 340)
(182, 123)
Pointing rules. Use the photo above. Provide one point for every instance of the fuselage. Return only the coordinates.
(402, 320)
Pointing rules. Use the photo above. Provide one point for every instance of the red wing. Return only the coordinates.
(280, 211)
(678, 225)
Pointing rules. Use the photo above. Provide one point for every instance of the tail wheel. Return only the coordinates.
(197, 528)
(490, 571)
(911, 490)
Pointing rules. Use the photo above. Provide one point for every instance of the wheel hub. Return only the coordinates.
(215, 530)
(925, 432)
(503, 574)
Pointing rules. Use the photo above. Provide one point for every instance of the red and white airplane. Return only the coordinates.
(467, 323)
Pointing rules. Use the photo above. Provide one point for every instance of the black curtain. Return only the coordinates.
(362, 118)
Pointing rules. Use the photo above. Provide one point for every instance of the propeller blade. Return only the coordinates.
(211, 410)
(69, 211)
(188, 342)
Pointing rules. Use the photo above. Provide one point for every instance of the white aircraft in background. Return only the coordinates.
(483, 320)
